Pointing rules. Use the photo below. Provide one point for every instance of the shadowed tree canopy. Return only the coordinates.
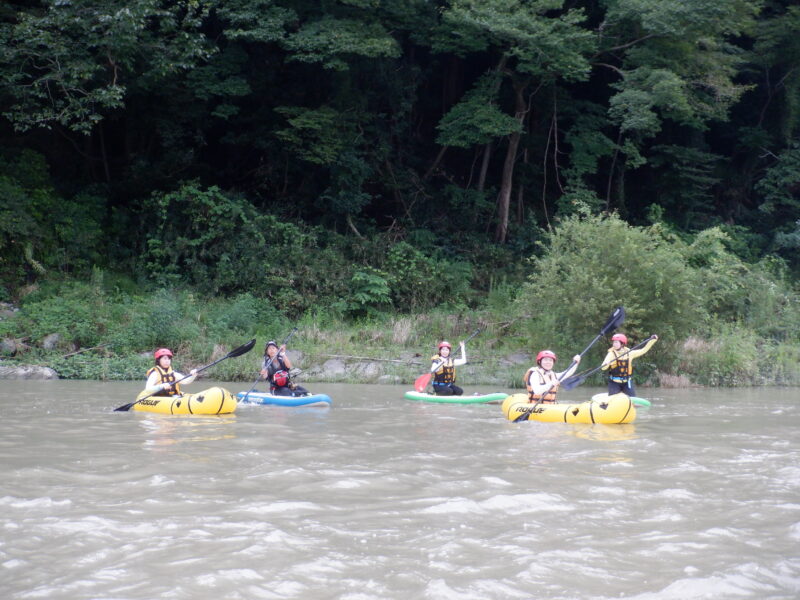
(462, 128)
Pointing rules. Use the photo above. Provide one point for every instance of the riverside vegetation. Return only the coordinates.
(384, 174)
(721, 321)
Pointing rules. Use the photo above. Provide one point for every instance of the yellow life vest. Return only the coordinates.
(621, 369)
(447, 372)
(544, 377)
(167, 376)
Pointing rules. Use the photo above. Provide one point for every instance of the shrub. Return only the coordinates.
(730, 358)
(591, 265)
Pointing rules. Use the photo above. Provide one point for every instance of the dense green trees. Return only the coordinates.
(369, 155)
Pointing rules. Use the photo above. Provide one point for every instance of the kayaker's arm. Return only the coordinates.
(576, 360)
(153, 383)
(463, 360)
(643, 350)
(192, 376)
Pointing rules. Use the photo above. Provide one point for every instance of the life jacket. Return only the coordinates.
(544, 377)
(620, 370)
(167, 376)
(446, 374)
(277, 373)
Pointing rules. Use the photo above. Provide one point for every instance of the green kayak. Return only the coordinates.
(494, 397)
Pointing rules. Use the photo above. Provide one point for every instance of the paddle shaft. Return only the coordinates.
(615, 320)
(243, 349)
(576, 380)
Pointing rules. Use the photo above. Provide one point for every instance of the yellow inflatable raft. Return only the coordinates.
(614, 409)
(213, 401)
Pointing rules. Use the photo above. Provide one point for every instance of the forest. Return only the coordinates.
(383, 173)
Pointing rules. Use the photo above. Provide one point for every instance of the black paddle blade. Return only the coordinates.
(615, 320)
(522, 417)
(572, 382)
(243, 349)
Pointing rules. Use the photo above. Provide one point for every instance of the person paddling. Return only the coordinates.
(443, 367)
(276, 368)
(542, 382)
(161, 378)
(620, 368)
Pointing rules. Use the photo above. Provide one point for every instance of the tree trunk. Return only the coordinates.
(487, 155)
(504, 197)
(521, 193)
(435, 164)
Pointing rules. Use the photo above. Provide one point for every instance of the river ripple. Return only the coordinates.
(379, 497)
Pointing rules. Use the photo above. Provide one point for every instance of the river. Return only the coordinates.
(378, 497)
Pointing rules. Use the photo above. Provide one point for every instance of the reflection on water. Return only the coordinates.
(604, 433)
(379, 497)
(167, 430)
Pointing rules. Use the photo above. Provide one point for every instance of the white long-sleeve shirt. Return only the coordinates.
(541, 388)
(154, 381)
(457, 362)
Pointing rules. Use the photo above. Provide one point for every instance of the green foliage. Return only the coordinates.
(370, 292)
(221, 244)
(734, 291)
(591, 265)
(730, 359)
(310, 135)
(70, 62)
(476, 119)
(776, 51)
(418, 281)
(241, 315)
(685, 178)
(315, 135)
(330, 41)
(100, 367)
(681, 291)
(543, 39)
(39, 229)
(589, 142)
(348, 176)
(780, 186)
(254, 20)
(467, 209)
(682, 67)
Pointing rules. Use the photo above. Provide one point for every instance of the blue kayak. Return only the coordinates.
(266, 398)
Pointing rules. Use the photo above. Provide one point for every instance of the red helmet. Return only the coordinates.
(445, 344)
(620, 337)
(545, 354)
(162, 352)
(281, 378)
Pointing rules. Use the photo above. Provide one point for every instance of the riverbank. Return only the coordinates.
(504, 371)
(86, 333)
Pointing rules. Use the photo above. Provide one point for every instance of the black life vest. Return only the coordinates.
(620, 369)
(277, 373)
(447, 372)
(549, 397)
(167, 376)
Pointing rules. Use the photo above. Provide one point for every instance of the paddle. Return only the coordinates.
(269, 362)
(243, 349)
(615, 320)
(576, 380)
(423, 380)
